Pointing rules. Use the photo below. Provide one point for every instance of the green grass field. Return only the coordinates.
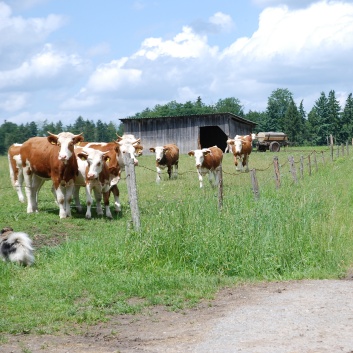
(87, 270)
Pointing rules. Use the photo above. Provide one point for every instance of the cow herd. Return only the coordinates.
(71, 163)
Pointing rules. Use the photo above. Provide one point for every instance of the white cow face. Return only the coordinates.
(238, 144)
(95, 160)
(129, 149)
(66, 142)
(199, 155)
(159, 152)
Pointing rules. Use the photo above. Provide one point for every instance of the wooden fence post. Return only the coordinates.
(292, 169)
(315, 162)
(309, 165)
(277, 173)
(255, 185)
(331, 147)
(220, 188)
(302, 167)
(132, 190)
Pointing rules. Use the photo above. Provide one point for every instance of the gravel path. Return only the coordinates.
(283, 317)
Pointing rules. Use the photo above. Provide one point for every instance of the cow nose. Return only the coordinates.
(136, 162)
(198, 165)
(158, 159)
(90, 176)
(63, 157)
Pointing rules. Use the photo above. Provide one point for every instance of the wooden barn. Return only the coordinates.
(188, 132)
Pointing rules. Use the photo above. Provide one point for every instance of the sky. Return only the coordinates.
(110, 59)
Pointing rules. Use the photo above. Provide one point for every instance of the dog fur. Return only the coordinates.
(16, 247)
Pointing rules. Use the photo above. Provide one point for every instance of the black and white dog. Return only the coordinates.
(16, 247)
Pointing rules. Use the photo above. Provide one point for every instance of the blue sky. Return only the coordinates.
(109, 59)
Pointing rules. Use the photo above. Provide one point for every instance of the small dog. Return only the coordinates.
(16, 247)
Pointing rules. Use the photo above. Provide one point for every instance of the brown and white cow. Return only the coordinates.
(166, 156)
(93, 174)
(129, 138)
(16, 171)
(208, 160)
(50, 157)
(116, 151)
(241, 146)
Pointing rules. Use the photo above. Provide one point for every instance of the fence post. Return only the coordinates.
(132, 190)
(220, 188)
(292, 169)
(309, 165)
(277, 173)
(315, 161)
(331, 147)
(302, 167)
(255, 185)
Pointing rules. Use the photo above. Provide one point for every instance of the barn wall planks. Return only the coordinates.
(184, 130)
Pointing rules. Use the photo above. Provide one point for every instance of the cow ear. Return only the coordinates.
(107, 159)
(152, 149)
(52, 139)
(191, 153)
(78, 139)
(206, 152)
(82, 156)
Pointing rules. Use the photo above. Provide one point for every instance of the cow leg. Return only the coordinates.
(98, 196)
(158, 179)
(175, 174)
(18, 184)
(246, 162)
(238, 164)
(33, 185)
(200, 178)
(89, 201)
(212, 178)
(63, 197)
(170, 171)
(106, 204)
(77, 198)
(115, 190)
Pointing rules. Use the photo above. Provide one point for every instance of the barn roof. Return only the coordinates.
(231, 115)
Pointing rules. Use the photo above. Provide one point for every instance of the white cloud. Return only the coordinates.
(222, 21)
(186, 44)
(20, 37)
(48, 67)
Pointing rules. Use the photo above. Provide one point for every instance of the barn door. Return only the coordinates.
(212, 136)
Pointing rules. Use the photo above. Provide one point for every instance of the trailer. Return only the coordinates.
(272, 141)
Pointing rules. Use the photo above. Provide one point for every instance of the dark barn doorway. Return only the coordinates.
(213, 136)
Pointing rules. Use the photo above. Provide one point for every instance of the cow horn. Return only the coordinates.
(52, 134)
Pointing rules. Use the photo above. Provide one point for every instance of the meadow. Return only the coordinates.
(86, 271)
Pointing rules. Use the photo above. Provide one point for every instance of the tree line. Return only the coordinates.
(326, 117)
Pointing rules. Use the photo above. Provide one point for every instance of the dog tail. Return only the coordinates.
(22, 246)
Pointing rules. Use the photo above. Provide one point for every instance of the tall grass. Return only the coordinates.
(86, 271)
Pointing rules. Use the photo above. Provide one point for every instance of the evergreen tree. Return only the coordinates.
(323, 127)
(292, 123)
(277, 106)
(347, 120)
(334, 109)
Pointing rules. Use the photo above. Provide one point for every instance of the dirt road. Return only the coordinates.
(284, 317)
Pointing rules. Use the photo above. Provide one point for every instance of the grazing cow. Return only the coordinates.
(50, 157)
(166, 156)
(241, 147)
(116, 151)
(208, 160)
(15, 167)
(93, 174)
